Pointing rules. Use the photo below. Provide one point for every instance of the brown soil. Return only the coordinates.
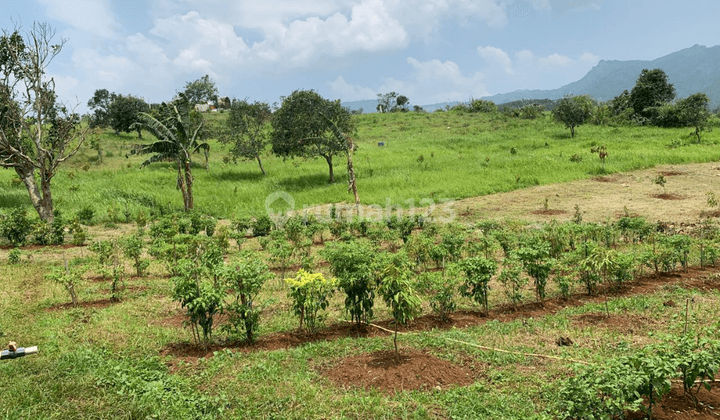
(672, 173)
(678, 406)
(389, 373)
(668, 196)
(549, 212)
(602, 197)
(628, 324)
(35, 247)
(97, 304)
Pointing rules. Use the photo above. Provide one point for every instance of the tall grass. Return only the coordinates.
(438, 156)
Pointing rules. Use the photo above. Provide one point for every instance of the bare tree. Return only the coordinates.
(37, 134)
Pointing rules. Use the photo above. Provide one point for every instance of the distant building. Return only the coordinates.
(202, 107)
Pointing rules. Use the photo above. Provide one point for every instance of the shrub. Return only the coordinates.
(132, 247)
(244, 279)
(440, 290)
(310, 293)
(15, 226)
(512, 280)
(478, 272)
(85, 215)
(354, 264)
(262, 226)
(69, 277)
(14, 256)
(535, 257)
(201, 298)
(398, 293)
(78, 233)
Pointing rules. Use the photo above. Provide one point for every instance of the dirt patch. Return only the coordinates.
(385, 371)
(678, 406)
(602, 197)
(549, 212)
(668, 196)
(628, 324)
(36, 247)
(604, 179)
(672, 173)
(97, 304)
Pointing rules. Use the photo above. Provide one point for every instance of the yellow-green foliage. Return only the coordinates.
(310, 293)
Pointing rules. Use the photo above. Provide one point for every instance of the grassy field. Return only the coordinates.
(432, 157)
(134, 358)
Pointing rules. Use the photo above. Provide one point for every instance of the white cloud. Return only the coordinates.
(496, 57)
(350, 92)
(93, 16)
(555, 60)
(589, 58)
(429, 82)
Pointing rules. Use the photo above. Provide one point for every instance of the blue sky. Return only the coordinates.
(431, 51)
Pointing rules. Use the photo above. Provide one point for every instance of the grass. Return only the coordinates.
(463, 155)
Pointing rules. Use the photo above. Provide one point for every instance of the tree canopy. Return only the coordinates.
(246, 131)
(37, 134)
(306, 125)
(201, 91)
(573, 111)
(124, 113)
(651, 90)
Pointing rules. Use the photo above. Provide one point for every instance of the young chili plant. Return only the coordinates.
(478, 272)
(310, 293)
(398, 293)
(243, 279)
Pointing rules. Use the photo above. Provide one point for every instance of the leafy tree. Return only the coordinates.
(100, 105)
(573, 111)
(651, 90)
(246, 130)
(37, 134)
(124, 112)
(306, 125)
(695, 112)
(201, 91)
(402, 103)
(179, 134)
(392, 102)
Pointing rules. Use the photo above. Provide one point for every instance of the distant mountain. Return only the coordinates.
(691, 70)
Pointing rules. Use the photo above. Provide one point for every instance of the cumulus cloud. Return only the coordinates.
(496, 57)
(555, 60)
(350, 92)
(430, 81)
(93, 16)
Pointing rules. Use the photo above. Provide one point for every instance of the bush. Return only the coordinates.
(478, 272)
(85, 215)
(202, 299)
(354, 264)
(262, 226)
(132, 247)
(15, 226)
(440, 290)
(244, 279)
(14, 256)
(310, 294)
(77, 232)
